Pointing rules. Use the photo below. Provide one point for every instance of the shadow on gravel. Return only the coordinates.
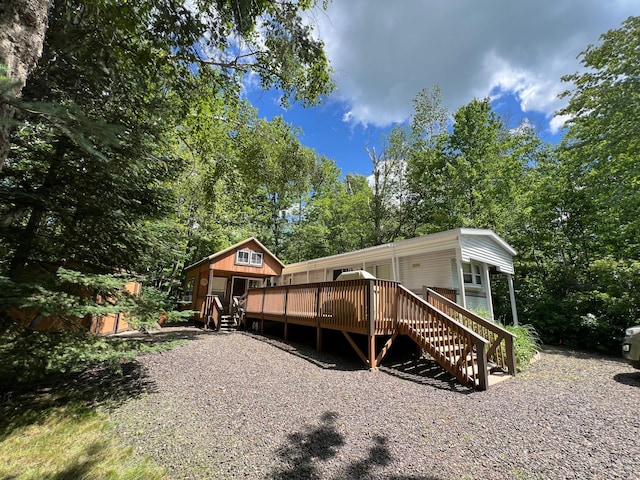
(632, 379)
(329, 359)
(165, 334)
(400, 362)
(98, 386)
(425, 372)
(306, 451)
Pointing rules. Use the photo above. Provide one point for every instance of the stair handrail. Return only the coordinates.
(500, 347)
(211, 311)
(468, 368)
(238, 309)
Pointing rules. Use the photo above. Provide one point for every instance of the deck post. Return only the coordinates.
(371, 319)
(286, 324)
(318, 321)
(264, 294)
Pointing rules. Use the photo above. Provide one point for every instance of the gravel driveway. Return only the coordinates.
(241, 405)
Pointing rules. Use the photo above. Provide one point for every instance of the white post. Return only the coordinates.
(463, 297)
(487, 283)
(512, 297)
(393, 263)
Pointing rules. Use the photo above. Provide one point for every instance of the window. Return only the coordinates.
(256, 259)
(188, 289)
(242, 257)
(472, 274)
(219, 287)
(248, 257)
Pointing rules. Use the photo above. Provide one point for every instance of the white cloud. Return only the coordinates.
(383, 52)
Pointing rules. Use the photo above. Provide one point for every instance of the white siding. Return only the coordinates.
(383, 272)
(299, 278)
(477, 304)
(428, 269)
(316, 276)
(484, 249)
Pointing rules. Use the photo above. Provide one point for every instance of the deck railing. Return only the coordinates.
(500, 348)
(377, 307)
(330, 304)
(211, 311)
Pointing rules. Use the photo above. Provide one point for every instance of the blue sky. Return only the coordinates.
(383, 53)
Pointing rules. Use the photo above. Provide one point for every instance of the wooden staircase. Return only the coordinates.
(227, 323)
(217, 317)
(474, 350)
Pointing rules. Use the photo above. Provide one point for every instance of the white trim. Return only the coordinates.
(512, 297)
(243, 252)
(463, 295)
(258, 255)
(487, 289)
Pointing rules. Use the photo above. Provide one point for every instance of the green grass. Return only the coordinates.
(56, 390)
(71, 442)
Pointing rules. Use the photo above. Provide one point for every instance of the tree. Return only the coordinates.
(232, 36)
(588, 197)
(22, 27)
(91, 152)
(601, 140)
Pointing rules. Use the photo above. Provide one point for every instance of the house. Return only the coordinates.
(106, 324)
(424, 288)
(462, 261)
(230, 273)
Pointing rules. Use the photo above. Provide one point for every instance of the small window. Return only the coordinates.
(472, 274)
(256, 259)
(242, 257)
(188, 289)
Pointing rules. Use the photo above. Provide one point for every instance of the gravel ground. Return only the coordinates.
(241, 405)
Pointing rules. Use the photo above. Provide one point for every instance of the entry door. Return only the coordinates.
(239, 287)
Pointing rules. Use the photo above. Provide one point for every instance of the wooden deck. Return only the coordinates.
(465, 345)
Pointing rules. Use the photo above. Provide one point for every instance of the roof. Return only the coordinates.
(231, 248)
(432, 242)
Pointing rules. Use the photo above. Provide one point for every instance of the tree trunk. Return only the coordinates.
(23, 24)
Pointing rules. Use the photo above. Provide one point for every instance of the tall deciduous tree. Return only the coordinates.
(601, 144)
(91, 158)
(22, 27)
(589, 197)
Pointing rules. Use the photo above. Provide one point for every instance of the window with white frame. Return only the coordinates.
(242, 257)
(256, 259)
(248, 257)
(472, 274)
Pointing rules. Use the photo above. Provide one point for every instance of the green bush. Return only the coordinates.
(526, 345)
(27, 355)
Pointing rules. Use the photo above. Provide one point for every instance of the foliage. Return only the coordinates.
(28, 356)
(91, 164)
(526, 344)
(579, 242)
(70, 442)
(73, 294)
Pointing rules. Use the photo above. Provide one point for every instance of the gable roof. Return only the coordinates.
(233, 247)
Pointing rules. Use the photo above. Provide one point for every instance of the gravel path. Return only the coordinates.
(244, 406)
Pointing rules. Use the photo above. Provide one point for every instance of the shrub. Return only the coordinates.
(526, 345)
